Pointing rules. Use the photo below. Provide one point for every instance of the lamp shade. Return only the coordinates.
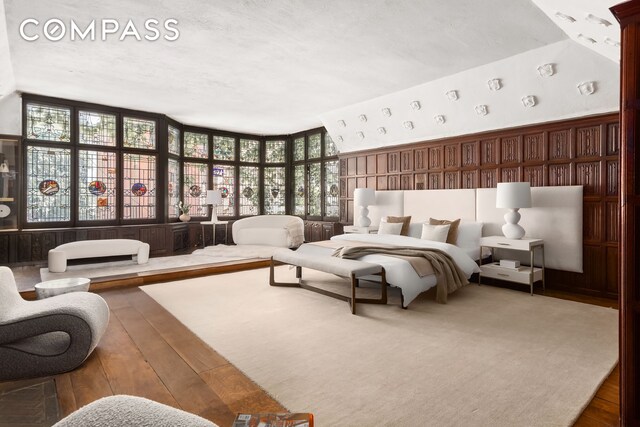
(214, 197)
(364, 197)
(513, 195)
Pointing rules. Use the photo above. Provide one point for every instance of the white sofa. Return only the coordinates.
(269, 230)
(59, 256)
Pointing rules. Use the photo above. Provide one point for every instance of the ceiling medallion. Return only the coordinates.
(494, 84)
(386, 112)
(529, 101)
(362, 118)
(415, 105)
(342, 124)
(612, 42)
(481, 110)
(360, 135)
(597, 20)
(408, 125)
(546, 70)
(439, 119)
(566, 18)
(587, 88)
(452, 95)
(586, 39)
(382, 130)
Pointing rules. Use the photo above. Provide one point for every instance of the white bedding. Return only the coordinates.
(399, 272)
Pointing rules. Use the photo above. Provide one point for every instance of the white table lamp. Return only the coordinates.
(214, 197)
(364, 197)
(513, 196)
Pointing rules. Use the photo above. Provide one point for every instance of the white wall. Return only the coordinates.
(11, 114)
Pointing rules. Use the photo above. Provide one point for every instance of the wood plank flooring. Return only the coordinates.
(147, 352)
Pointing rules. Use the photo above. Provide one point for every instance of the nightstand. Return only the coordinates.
(353, 229)
(524, 274)
(214, 223)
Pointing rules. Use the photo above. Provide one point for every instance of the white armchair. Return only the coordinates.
(269, 230)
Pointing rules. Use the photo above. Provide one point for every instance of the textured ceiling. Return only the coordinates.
(267, 66)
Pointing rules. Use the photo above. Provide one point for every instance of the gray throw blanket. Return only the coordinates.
(450, 277)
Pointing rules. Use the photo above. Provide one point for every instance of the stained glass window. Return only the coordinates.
(275, 151)
(274, 187)
(249, 190)
(48, 179)
(330, 148)
(97, 182)
(174, 140)
(139, 186)
(224, 179)
(314, 145)
(139, 133)
(224, 148)
(249, 150)
(196, 145)
(298, 190)
(298, 149)
(97, 128)
(48, 123)
(331, 189)
(173, 187)
(314, 201)
(195, 186)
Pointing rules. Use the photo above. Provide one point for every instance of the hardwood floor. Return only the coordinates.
(147, 352)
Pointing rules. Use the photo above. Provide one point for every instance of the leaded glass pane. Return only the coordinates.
(275, 151)
(224, 179)
(97, 128)
(48, 184)
(224, 148)
(314, 145)
(249, 190)
(298, 190)
(195, 186)
(173, 187)
(196, 145)
(331, 188)
(274, 185)
(97, 185)
(298, 149)
(314, 202)
(174, 140)
(249, 150)
(139, 186)
(48, 123)
(329, 146)
(139, 133)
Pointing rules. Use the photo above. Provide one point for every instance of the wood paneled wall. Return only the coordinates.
(573, 152)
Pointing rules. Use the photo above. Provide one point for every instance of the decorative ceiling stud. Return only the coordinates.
(597, 20)
(386, 112)
(452, 95)
(567, 18)
(612, 42)
(382, 130)
(415, 105)
(440, 119)
(529, 101)
(360, 135)
(586, 39)
(494, 84)
(363, 118)
(342, 124)
(587, 88)
(339, 138)
(546, 70)
(481, 110)
(408, 125)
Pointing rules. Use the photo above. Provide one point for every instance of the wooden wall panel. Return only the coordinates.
(421, 157)
(451, 180)
(361, 166)
(488, 152)
(588, 142)
(470, 179)
(588, 175)
(559, 174)
(371, 165)
(469, 154)
(510, 148)
(534, 175)
(406, 161)
(533, 148)
(393, 162)
(451, 156)
(560, 145)
(435, 157)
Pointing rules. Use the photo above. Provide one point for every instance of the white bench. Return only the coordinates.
(59, 256)
(349, 268)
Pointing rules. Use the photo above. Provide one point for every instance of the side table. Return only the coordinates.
(214, 223)
(55, 287)
(354, 229)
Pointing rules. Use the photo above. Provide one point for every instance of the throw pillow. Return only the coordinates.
(389, 228)
(452, 237)
(437, 233)
(405, 220)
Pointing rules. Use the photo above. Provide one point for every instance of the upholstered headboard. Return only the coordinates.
(440, 204)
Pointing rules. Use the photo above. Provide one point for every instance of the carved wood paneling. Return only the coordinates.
(488, 178)
(469, 179)
(594, 267)
(611, 276)
(451, 180)
(361, 165)
(381, 160)
(343, 167)
(588, 142)
(560, 145)
(343, 188)
(361, 182)
(406, 161)
(469, 154)
(421, 157)
(352, 166)
(371, 182)
(371, 165)
(510, 174)
(406, 182)
(4, 249)
(351, 186)
(435, 158)
(382, 183)
(588, 175)
(613, 139)
(393, 162)
(559, 174)
(612, 222)
(613, 177)
(350, 212)
(435, 180)
(488, 152)
(420, 180)
(534, 148)
(534, 175)
(592, 222)
(510, 149)
(393, 182)
(451, 156)
(343, 211)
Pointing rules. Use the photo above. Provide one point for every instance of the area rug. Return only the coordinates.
(490, 357)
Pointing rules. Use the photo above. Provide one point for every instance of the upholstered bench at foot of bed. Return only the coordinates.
(348, 268)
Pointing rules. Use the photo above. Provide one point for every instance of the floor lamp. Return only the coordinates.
(214, 198)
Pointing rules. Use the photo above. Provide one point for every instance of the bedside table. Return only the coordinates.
(353, 229)
(524, 274)
(214, 223)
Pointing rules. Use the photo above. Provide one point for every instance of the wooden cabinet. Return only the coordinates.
(315, 231)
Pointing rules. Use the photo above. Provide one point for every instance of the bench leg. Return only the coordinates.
(354, 285)
(272, 279)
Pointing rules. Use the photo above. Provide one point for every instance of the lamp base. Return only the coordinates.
(511, 229)
(214, 215)
(363, 220)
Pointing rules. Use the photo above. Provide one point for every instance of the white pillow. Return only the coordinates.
(415, 229)
(436, 233)
(469, 234)
(390, 228)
